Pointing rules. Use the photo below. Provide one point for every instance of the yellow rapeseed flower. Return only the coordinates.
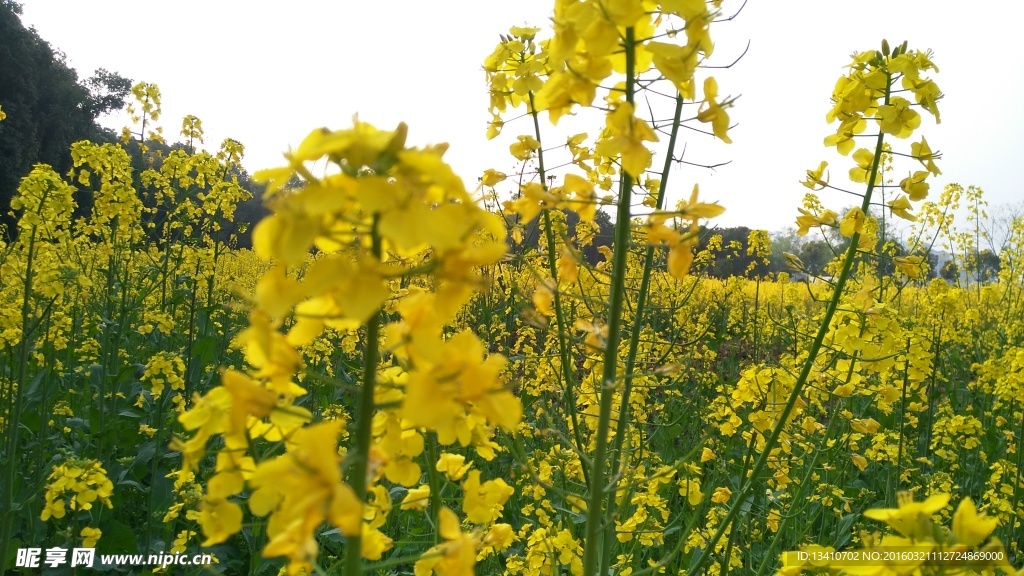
(906, 519)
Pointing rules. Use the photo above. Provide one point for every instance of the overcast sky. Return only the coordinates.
(266, 73)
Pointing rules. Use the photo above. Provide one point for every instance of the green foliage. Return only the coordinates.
(733, 258)
(47, 106)
(532, 234)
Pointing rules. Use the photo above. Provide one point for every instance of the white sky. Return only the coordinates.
(266, 73)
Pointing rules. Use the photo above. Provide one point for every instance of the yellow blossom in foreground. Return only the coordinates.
(456, 556)
(524, 147)
(453, 465)
(713, 112)
(852, 223)
(901, 207)
(492, 177)
(483, 502)
(499, 537)
(626, 137)
(300, 489)
(219, 519)
(90, 536)
(374, 543)
(417, 498)
(865, 425)
(923, 153)
(864, 159)
(859, 461)
(905, 518)
(435, 398)
(721, 495)
(915, 185)
(806, 220)
(816, 179)
(77, 485)
(970, 527)
(910, 265)
(681, 241)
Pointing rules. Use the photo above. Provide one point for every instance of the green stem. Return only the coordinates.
(596, 513)
(163, 433)
(724, 565)
(634, 337)
(42, 448)
(564, 354)
(757, 311)
(12, 425)
(192, 327)
(930, 391)
(903, 418)
(364, 432)
(435, 486)
(109, 347)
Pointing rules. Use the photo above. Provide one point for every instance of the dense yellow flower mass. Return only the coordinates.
(86, 483)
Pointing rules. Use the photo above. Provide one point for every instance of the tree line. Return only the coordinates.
(49, 107)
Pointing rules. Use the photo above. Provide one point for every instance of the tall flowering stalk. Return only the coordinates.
(598, 43)
(387, 241)
(866, 96)
(44, 203)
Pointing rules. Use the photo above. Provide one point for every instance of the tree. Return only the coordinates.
(890, 249)
(950, 272)
(998, 228)
(816, 255)
(785, 241)
(986, 269)
(603, 237)
(933, 265)
(732, 259)
(47, 107)
(107, 92)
